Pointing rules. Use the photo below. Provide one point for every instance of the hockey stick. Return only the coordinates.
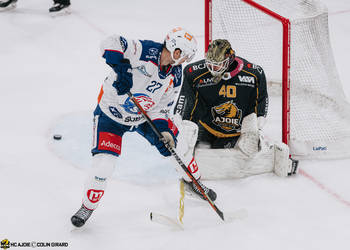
(166, 221)
(175, 155)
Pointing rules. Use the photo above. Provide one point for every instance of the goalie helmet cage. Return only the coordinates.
(289, 39)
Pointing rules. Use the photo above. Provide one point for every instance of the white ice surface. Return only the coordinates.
(50, 75)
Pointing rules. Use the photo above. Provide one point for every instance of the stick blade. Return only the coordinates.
(166, 221)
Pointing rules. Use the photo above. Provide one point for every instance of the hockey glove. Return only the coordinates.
(169, 132)
(124, 81)
(249, 140)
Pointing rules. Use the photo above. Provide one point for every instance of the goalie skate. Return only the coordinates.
(7, 5)
(81, 216)
(59, 9)
(192, 190)
(293, 167)
(287, 169)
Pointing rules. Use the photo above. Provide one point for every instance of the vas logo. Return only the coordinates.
(5, 244)
(248, 79)
(227, 116)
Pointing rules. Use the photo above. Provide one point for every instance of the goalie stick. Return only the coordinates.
(166, 221)
(175, 224)
(175, 155)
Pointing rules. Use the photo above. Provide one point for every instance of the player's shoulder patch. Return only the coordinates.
(177, 73)
(150, 50)
(253, 67)
(123, 43)
(196, 67)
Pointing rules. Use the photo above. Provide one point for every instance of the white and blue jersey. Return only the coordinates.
(154, 89)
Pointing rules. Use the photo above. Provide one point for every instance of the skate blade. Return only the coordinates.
(10, 7)
(75, 229)
(64, 12)
(192, 195)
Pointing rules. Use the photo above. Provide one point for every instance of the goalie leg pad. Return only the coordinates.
(187, 138)
(232, 163)
(188, 134)
(95, 184)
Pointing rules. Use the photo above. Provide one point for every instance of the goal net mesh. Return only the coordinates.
(319, 111)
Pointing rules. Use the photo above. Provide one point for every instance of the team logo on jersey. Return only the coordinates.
(144, 100)
(254, 66)
(247, 79)
(143, 70)
(114, 111)
(227, 116)
(197, 67)
(206, 82)
(153, 51)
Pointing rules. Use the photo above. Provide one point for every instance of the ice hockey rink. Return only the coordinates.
(50, 75)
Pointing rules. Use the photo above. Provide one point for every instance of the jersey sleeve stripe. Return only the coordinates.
(200, 76)
(100, 95)
(112, 50)
(194, 106)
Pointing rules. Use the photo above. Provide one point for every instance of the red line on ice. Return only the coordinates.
(324, 188)
(339, 12)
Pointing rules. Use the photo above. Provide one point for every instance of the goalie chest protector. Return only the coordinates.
(221, 107)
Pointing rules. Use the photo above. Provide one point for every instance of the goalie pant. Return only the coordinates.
(104, 162)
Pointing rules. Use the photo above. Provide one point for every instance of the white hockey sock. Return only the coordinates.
(102, 168)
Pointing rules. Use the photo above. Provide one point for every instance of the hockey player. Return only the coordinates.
(226, 96)
(59, 6)
(152, 72)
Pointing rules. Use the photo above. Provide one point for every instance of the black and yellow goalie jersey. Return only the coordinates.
(219, 108)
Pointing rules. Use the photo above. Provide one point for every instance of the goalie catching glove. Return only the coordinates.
(249, 140)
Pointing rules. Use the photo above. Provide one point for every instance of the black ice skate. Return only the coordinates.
(192, 189)
(293, 167)
(59, 8)
(8, 4)
(80, 217)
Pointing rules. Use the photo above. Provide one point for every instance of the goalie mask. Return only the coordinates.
(181, 39)
(219, 57)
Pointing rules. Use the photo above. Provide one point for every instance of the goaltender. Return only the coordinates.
(225, 98)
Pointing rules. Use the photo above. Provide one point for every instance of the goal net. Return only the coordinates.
(290, 40)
